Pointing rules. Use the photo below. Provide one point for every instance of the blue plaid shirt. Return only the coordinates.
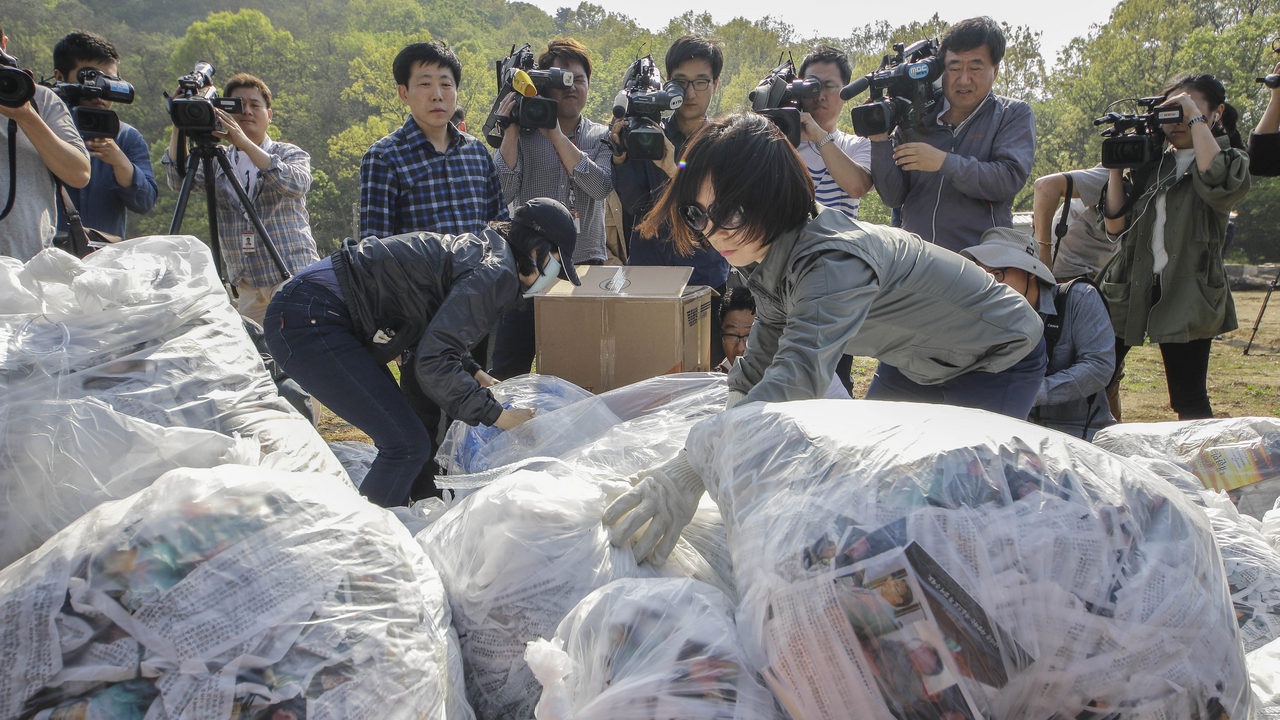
(406, 185)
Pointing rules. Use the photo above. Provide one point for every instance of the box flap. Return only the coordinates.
(635, 281)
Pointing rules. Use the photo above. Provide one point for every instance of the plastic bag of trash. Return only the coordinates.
(1240, 456)
(144, 329)
(515, 556)
(638, 649)
(472, 448)
(918, 560)
(233, 592)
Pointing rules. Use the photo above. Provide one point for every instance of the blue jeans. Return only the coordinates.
(310, 334)
(1009, 392)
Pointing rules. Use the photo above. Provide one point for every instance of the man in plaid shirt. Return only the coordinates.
(428, 176)
(276, 177)
(569, 162)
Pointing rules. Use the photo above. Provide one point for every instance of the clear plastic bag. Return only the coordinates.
(144, 329)
(1240, 456)
(638, 649)
(232, 592)
(935, 559)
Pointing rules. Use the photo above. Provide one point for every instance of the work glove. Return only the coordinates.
(735, 397)
(665, 497)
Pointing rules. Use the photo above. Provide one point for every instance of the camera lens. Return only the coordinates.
(16, 87)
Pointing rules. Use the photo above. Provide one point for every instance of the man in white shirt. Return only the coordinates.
(838, 162)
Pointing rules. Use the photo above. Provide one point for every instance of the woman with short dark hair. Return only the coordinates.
(943, 329)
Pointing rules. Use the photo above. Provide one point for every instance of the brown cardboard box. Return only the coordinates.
(623, 325)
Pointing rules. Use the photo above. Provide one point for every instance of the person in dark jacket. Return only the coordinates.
(336, 325)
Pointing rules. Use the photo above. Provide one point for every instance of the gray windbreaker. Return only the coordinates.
(989, 159)
(835, 286)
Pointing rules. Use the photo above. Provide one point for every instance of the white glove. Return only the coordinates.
(735, 397)
(665, 497)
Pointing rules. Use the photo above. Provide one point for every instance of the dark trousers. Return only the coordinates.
(1009, 392)
(309, 332)
(1186, 373)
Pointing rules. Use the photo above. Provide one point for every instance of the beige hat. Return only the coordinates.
(1003, 247)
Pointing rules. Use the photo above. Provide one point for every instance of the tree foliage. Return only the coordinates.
(328, 63)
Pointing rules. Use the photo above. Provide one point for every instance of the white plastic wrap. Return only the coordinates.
(235, 593)
(517, 555)
(1264, 679)
(935, 559)
(1237, 455)
(139, 334)
(639, 649)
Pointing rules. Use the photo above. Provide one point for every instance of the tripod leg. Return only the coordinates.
(247, 204)
(211, 199)
(1258, 322)
(184, 194)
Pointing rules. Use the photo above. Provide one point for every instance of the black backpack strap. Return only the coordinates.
(1060, 230)
(13, 169)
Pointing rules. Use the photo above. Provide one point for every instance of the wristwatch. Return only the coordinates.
(1196, 119)
(830, 136)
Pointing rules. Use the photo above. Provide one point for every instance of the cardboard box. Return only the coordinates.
(623, 325)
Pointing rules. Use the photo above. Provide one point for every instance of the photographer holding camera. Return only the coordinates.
(973, 151)
(276, 177)
(42, 143)
(1168, 281)
(122, 178)
(693, 62)
(838, 162)
(568, 162)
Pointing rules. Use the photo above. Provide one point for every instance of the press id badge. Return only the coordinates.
(248, 243)
(577, 221)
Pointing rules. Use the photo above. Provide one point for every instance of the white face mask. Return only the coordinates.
(550, 274)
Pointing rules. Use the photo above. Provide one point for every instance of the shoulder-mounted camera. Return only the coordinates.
(92, 83)
(641, 102)
(1135, 139)
(778, 97)
(518, 73)
(902, 90)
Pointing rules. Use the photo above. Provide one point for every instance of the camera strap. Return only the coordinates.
(13, 168)
(1060, 230)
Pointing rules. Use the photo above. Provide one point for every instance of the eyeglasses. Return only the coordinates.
(698, 219)
(735, 339)
(699, 84)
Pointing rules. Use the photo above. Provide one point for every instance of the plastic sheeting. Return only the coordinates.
(236, 592)
(118, 367)
(913, 560)
(639, 649)
(1239, 455)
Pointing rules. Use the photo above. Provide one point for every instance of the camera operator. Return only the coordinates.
(693, 62)
(276, 177)
(570, 163)
(1168, 281)
(974, 150)
(1264, 141)
(122, 178)
(838, 162)
(37, 138)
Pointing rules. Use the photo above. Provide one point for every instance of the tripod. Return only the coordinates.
(1256, 323)
(202, 152)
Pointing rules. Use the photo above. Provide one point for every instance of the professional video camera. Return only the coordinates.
(93, 83)
(1135, 139)
(17, 84)
(192, 108)
(902, 90)
(778, 97)
(642, 100)
(517, 73)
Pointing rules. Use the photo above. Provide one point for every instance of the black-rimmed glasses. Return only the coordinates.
(698, 219)
(699, 84)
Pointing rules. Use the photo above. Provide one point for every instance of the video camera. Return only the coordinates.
(902, 90)
(93, 83)
(191, 110)
(517, 73)
(642, 100)
(1133, 140)
(778, 97)
(17, 84)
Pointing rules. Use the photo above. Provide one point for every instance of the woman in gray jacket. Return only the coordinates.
(943, 329)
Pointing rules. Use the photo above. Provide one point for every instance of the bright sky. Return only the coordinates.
(1058, 22)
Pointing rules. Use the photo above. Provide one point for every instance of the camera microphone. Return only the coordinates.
(855, 88)
(523, 84)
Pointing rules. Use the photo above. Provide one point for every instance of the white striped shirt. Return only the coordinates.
(826, 190)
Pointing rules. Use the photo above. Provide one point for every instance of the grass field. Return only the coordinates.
(1239, 385)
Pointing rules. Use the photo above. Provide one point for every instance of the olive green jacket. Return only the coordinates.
(1195, 302)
